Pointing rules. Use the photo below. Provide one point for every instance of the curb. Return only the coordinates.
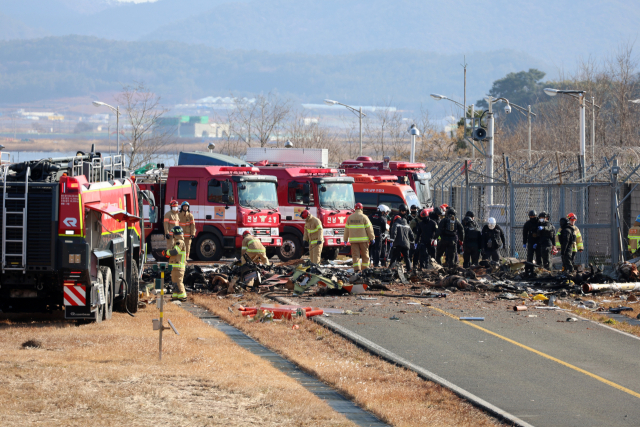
(391, 357)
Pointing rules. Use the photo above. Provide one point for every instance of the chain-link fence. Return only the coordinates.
(604, 197)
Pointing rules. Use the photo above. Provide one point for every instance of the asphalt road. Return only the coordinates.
(543, 370)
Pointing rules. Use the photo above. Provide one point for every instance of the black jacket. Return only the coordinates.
(567, 237)
(472, 233)
(492, 239)
(401, 234)
(379, 224)
(426, 231)
(546, 236)
(450, 229)
(529, 231)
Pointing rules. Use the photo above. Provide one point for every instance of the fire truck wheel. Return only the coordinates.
(99, 313)
(291, 248)
(208, 248)
(133, 290)
(108, 293)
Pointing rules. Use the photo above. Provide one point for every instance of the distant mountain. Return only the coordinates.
(55, 67)
(11, 29)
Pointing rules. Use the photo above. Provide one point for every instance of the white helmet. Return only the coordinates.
(384, 208)
(491, 223)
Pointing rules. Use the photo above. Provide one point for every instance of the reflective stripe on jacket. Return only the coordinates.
(578, 244)
(313, 230)
(252, 245)
(178, 254)
(188, 223)
(171, 219)
(358, 228)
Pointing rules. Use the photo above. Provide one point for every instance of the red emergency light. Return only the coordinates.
(317, 171)
(406, 165)
(239, 169)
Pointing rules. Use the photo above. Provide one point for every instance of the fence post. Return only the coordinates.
(512, 209)
(615, 255)
(466, 178)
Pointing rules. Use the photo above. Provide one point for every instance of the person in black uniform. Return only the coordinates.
(450, 232)
(567, 239)
(435, 216)
(402, 237)
(472, 240)
(379, 223)
(530, 238)
(492, 240)
(412, 220)
(546, 239)
(425, 233)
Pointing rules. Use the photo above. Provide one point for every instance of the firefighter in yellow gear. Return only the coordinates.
(171, 220)
(188, 224)
(253, 247)
(313, 233)
(177, 261)
(634, 236)
(578, 244)
(359, 232)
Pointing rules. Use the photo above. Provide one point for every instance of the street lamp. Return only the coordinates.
(441, 97)
(413, 131)
(211, 147)
(288, 144)
(354, 111)
(117, 110)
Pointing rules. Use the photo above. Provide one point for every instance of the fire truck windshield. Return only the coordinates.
(411, 198)
(336, 196)
(258, 194)
(423, 193)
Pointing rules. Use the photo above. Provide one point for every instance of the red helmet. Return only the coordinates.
(173, 203)
(424, 213)
(395, 218)
(358, 206)
(572, 217)
(444, 207)
(246, 232)
(304, 214)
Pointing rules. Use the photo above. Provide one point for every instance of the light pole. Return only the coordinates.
(354, 111)
(117, 111)
(413, 131)
(211, 147)
(528, 114)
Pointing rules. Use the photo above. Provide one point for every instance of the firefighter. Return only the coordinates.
(472, 240)
(171, 219)
(188, 224)
(633, 237)
(359, 232)
(435, 215)
(252, 246)
(578, 245)
(492, 240)
(177, 261)
(402, 237)
(425, 234)
(566, 241)
(546, 240)
(529, 240)
(313, 235)
(379, 224)
(450, 232)
(413, 220)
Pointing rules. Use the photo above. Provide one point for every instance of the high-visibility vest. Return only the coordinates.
(179, 261)
(313, 230)
(358, 228)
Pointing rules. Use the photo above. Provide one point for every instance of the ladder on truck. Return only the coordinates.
(23, 225)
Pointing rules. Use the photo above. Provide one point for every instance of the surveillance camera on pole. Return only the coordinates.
(507, 109)
(211, 147)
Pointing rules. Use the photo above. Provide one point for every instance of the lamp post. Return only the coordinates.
(211, 147)
(288, 144)
(413, 131)
(117, 111)
(354, 111)
(528, 114)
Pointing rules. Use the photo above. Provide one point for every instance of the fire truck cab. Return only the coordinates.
(373, 191)
(224, 200)
(412, 174)
(327, 195)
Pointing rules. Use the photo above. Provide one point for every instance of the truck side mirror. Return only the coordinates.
(153, 214)
(225, 187)
(306, 189)
(323, 188)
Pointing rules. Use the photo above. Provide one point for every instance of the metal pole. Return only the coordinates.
(473, 115)
(361, 130)
(464, 135)
(413, 149)
(582, 134)
(161, 312)
(489, 167)
(118, 128)
(529, 118)
(614, 215)
(593, 129)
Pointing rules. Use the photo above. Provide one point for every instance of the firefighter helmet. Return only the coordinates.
(402, 208)
(173, 203)
(414, 208)
(246, 232)
(424, 213)
(470, 214)
(177, 231)
(542, 214)
(397, 217)
(358, 206)
(304, 214)
(572, 217)
(438, 211)
(444, 207)
(532, 213)
(491, 222)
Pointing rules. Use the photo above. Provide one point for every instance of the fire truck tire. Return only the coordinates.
(291, 248)
(133, 289)
(208, 248)
(107, 311)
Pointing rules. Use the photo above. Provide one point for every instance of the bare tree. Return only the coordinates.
(258, 120)
(142, 111)
(378, 128)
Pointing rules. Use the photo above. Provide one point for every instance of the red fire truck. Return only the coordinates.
(373, 191)
(71, 231)
(326, 193)
(224, 200)
(412, 174)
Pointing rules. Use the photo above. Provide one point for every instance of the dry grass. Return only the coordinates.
(396, 395)
(602, 318)
(109, 375)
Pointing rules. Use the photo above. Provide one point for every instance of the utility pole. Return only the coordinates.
(529, 119)
(489, 166)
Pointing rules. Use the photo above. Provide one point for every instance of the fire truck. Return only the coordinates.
(305, 182)
(373, 191)
(412, 174)
(71, 237)
(224, 200)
